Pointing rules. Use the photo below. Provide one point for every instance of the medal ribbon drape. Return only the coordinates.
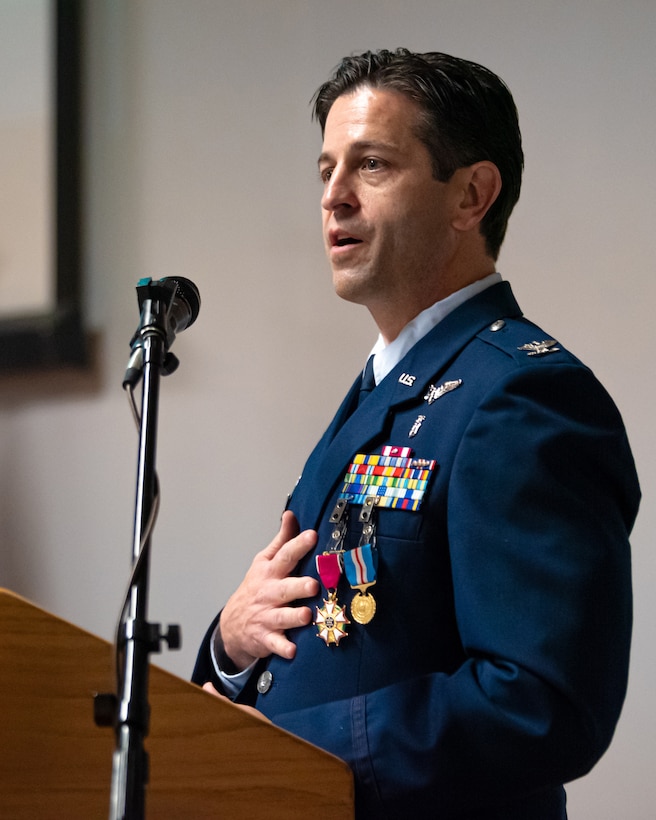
(360, 566)
(331, 620)
(329, 567)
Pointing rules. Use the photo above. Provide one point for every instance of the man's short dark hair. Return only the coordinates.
(467, 115)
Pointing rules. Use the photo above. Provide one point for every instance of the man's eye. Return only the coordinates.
(372, 164)
(325, 174)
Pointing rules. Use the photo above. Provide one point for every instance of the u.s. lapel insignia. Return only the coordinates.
(540, 348)
(435, 393)
(407, 379)
(415, 427)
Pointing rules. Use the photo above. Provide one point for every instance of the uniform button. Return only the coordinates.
(497, 325)
(264, 682)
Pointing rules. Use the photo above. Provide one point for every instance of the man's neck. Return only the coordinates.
(389, 354)
(392, 319)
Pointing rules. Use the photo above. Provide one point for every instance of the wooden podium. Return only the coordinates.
(208, 758)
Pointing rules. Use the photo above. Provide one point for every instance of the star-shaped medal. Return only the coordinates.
(331, 622)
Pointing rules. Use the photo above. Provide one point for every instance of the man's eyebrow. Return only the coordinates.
(358, 147)
(323, 157)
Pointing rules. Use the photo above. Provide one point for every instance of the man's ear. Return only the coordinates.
(480, 185)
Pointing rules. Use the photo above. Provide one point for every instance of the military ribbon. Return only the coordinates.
(397, 482)
(329, 567)
(360, 566)
(330, 619)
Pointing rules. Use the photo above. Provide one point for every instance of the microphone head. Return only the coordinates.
(182, 301)
(186, 302)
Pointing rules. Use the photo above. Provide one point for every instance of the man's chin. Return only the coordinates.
(351, 287)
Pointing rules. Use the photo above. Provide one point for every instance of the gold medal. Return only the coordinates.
(363, 607)
(361, 565)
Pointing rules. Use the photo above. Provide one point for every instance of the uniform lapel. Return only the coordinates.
(363, 428)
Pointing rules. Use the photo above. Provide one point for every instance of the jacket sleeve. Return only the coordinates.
(205, 669)
(541, 498)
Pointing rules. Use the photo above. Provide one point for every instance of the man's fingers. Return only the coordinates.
(279, 645)
(291, 617)
(288, 530)
(295, 589)
(275, 640)
(209, 687)
(289, 545)
(257, 614)
(292, 551)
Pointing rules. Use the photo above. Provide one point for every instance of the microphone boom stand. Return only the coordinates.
(137, 636)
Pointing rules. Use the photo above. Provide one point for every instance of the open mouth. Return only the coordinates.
(347, 240)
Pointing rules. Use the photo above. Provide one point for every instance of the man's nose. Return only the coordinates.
(339, 191)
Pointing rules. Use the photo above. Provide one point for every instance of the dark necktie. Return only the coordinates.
(368, 381)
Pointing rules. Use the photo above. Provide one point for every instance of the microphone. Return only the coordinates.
(185, 306)
(183, 309)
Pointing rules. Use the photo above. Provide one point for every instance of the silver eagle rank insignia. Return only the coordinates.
(540, 348)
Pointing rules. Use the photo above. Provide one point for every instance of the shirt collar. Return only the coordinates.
(388, 356)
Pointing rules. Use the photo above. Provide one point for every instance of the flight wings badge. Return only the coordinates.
(434, 393)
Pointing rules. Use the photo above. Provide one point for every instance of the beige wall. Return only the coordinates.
(201, 163)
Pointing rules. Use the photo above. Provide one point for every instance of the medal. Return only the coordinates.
(363, 607)
(331, 620)
(394, 480)
(361, 566)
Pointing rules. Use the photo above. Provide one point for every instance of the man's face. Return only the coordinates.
(386, 219)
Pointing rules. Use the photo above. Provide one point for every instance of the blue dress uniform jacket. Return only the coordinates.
(495, 667)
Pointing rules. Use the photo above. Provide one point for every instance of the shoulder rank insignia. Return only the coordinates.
(540, 348)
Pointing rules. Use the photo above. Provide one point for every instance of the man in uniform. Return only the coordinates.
(447, 604)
